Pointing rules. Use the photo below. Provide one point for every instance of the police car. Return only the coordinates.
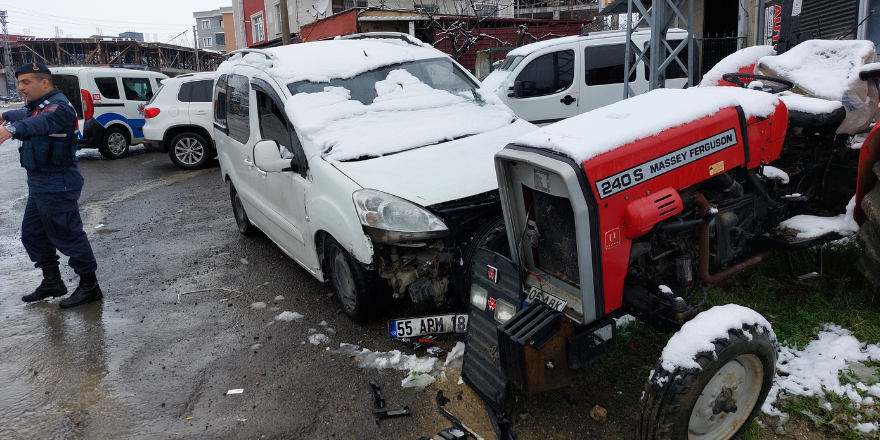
(108, 103)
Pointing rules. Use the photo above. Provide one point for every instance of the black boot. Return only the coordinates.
(86, 292)
(52, 285)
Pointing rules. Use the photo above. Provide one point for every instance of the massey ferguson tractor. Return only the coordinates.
(637, 208)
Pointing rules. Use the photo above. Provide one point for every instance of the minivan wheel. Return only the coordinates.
(189, 151)
(241, 219)
(115, 144)
(352, 283)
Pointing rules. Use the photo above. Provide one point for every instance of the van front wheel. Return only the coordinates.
(115, 144)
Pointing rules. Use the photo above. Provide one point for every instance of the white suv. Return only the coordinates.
(369, 162)
(178, 120)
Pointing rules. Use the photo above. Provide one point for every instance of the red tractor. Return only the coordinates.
(636, 208)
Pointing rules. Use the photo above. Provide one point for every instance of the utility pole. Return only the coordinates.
(198, 67)
(285, 24)
(7, 58)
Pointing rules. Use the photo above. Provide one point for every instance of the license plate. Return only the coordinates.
(554, 302)
(428, 325)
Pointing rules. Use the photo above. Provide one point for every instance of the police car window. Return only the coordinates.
(185, 93)
(108, 87)
(69, 86)
(605, 65)
(548, 74)
(201, 91)
(137, 89)
(237, 108)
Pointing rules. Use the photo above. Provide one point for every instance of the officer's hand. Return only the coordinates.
(5, 135)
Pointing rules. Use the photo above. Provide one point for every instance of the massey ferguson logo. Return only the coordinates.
(492, 273)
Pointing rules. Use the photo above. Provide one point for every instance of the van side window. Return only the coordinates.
(548, 74)
(273, 124)
(108, 87)
(137, 89)
(237, 108)
(69, 86)
(220, 102)
(605, 65)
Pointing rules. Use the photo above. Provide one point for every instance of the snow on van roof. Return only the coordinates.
(735, 61)
(607, 128)
(821, 68)
(538, 45)
(321, 61)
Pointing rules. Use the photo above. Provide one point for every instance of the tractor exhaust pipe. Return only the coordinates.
(703, 233)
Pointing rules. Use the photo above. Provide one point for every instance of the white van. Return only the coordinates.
(108, 103)
(551, 80)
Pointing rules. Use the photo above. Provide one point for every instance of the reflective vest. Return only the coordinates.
(53, 153)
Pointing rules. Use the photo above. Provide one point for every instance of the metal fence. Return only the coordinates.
(714, 48)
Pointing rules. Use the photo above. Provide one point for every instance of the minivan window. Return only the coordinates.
(605, 65)
(510, 63)
(273, 124)
(137, 89)
(68, 85)
(237, 115)
(548, 74)
(108, 87)
(220, 102)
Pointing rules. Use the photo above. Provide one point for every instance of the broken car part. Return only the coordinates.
(378, 398)
(379, 415)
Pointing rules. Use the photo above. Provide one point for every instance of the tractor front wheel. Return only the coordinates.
(710, 394)
(868, 237)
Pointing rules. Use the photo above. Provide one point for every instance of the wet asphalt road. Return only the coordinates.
(142, 365)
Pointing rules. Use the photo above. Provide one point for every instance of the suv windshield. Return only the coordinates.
(438, 73)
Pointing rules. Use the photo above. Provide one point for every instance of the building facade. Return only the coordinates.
(210, 29)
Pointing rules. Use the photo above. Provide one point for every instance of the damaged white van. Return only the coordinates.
(368, 161)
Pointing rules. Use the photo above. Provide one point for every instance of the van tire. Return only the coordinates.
(245, 227)
(353, 285)
(115, 144)
(189, 151)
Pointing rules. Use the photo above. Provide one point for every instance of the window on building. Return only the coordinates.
(137, 89)
(258, 30)
(548, 74)
(108, 87)
(206, 24)
(277, 18)
(220, 39)
(221, 24)
(605, 65)
(237, 108)
(486, 9)
(206, 42)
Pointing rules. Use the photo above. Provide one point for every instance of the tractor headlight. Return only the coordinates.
(503, 310)
(478, 296)
(392, 219)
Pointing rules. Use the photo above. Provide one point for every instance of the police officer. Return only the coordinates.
(46, 127)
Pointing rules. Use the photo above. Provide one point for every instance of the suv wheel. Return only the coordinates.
(189, 151)
(115, 144)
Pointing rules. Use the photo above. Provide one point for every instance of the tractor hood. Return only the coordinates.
(437, 173)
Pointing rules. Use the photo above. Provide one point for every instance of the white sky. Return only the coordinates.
(80, 18)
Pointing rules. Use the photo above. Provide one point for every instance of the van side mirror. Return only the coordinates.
(517, 89)
(268, 158)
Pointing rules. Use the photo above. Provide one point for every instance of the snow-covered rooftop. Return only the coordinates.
(607, 128)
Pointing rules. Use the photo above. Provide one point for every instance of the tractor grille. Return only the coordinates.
(557, 243)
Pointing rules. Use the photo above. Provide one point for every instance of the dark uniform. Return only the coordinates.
(47, 129)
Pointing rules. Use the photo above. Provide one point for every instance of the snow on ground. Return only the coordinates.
(821, 68)
(421, 371)
(734, 62)
(602, 130)
(810, 226)
(288, 316)
(775, 173)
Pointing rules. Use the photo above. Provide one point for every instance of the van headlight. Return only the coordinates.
(478, 296)
(503, 310)
(390, 219)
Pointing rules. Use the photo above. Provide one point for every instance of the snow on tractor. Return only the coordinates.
(638, 207)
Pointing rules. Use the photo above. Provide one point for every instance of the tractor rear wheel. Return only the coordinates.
(868, 236)
(716, 396)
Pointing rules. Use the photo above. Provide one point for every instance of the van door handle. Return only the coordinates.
(201, 112)
(567, 100)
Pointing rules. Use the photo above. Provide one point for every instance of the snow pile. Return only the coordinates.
(815, 370)
(421, 372)
(810, 226)
(339, 127)
(806, 104)
(288, 316)
(821, 68)
(732, 63)
(318, 339)
(698, 335)
(775, 174)
(607, 128)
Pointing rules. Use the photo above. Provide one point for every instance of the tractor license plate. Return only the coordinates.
(554, 302)
(428, 325)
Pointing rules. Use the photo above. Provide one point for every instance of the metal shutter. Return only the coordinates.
(828, 19)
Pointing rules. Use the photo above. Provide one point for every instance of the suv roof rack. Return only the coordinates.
(399, 35)
(269, 55)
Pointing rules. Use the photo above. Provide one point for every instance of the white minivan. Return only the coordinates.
(108, 103)
(551, 80)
